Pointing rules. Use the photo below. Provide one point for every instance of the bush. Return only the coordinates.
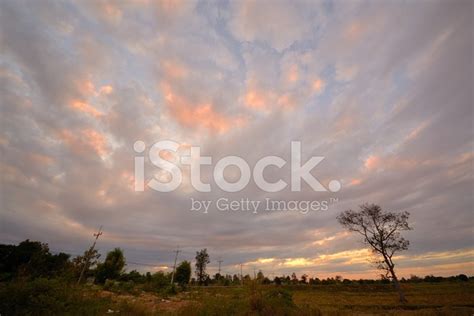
(278, 302)
(157, 282)
(119, 287)
(463, 277)
(171, 290)
(48, 297)
(275, 301)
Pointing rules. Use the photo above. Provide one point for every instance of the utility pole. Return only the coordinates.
(220, 261)
(174, 266)
(88, 255)
(254, 274)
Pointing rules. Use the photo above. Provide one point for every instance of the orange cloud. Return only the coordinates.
(298, 262)
(85, 108)
(198, 115)
(318, 85)
(167, 155)
(170, 6)
(106, 90)
(293, 74)
(84, 141)
(96, 141)
(86, 87)
(204, 116)
(174, 69)
(416, 131)
(264, 100)
(109, 10)
(67, 137)
(354, 30)
(394, 163)
(286, 101)
(352, 256)
(345, 124)
(128, 179)
(355, 182)
(372, 162)
(256, 99)
(265, 260)
(41, 159)
(465, 157)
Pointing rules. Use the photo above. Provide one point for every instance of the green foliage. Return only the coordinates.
(79, 262)
(183, 273)
(31, 259)
(157, 282)
(202, 259)
(134, 276)
(160, 279)
(112, 267)
(121, 287)
(276, 301)
(48, 297)
(171, 290)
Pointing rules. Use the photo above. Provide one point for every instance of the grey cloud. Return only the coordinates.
(372, 113)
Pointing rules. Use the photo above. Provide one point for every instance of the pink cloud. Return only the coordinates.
(84, 141)
(198, 115)
(85, 108)
(372, 162)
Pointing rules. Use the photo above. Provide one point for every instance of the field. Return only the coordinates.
(448, 298)
(49, 297)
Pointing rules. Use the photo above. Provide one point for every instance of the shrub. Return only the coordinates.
(463, 277)
(48, 297)
(119, 287)
(275, 301)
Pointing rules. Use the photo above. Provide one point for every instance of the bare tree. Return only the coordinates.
(381, 231)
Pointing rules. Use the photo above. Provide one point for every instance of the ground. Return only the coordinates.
(447, 298)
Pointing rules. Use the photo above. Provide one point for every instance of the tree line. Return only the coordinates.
(33, 259)
(380, 230)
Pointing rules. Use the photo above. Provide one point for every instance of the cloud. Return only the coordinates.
(372, 162)
(84, 141)
(278, 23)
(85, 108)
(198, 116)
(318, 85)
(346, 72)
(386, 100)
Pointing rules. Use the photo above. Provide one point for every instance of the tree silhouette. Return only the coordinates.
(202, 259)
(90, 258)
(183, 273)
(381, 231)
(112, 267)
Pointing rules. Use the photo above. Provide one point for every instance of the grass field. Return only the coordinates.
(53, 297)
(449, 298)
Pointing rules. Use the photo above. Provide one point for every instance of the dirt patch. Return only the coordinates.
(150, 302)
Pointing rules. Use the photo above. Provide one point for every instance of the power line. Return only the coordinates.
(142, 264)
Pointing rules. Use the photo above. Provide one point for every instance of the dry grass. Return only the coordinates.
(53, 297)
(455, 298)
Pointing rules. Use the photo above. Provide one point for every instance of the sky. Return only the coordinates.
(381, 90)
